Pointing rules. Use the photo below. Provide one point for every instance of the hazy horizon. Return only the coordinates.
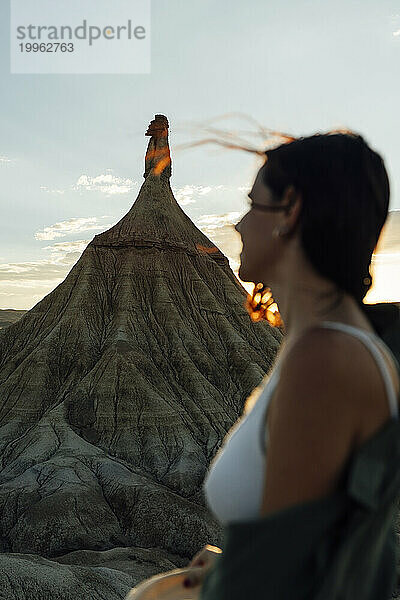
(384, 263)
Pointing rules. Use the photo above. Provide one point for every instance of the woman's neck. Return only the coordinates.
(307, 309)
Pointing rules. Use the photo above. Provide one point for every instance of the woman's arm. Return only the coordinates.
(315, 419)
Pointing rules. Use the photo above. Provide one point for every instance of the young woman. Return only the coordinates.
(316, 211)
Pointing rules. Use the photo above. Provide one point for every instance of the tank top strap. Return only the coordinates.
(373, 341)
(266, 397)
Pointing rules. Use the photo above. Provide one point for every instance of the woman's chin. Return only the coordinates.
(244, 275)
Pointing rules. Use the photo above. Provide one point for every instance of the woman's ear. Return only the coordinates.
(290, 195)
(293, 199)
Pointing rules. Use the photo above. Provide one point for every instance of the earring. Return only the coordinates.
(279, 232)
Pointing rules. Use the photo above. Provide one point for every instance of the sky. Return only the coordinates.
(72, 146)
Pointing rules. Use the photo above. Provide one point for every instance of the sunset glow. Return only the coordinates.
(385, 284)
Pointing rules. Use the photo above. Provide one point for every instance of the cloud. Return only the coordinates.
(110, 184)
(46, 189)
(71, 227)
(215, 221)
(17, 267)
(386, 257)
(106, 183)
(389, 239)
(27, 273)
(66, 253)
(17, 283)
(68, 247)
(27, 282)
(187, 194)
(219, 228)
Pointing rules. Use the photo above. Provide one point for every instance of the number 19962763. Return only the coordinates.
(46, 47)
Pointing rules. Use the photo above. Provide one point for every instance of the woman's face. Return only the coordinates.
(259, 252)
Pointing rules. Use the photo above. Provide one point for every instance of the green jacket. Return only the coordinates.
(340, 547)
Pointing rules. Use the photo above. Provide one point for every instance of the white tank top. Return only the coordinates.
(234, 482)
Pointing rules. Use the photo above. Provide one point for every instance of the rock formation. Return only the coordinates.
(9, 316)
(116, 391)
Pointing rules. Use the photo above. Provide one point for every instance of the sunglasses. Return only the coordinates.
(270, 208)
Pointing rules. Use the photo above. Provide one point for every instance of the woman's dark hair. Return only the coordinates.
(345, 199)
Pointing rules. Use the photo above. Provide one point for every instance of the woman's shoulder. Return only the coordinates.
(313, 366)
(320, 348)
(337, 368)
(333, 349)
(313, 423)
